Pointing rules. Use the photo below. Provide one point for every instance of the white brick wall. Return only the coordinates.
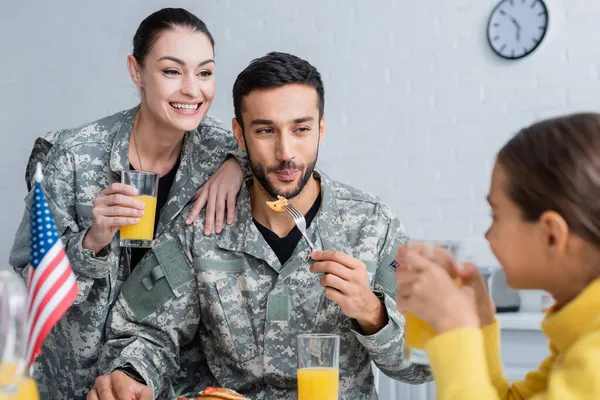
(416, 103)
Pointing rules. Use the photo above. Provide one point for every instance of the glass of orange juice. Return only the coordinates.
(142, 233)
(416, 332)
(318, 366)
(15, 383)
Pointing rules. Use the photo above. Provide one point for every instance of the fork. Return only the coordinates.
(300, 222)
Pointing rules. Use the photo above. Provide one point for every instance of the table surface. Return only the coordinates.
(522, 321)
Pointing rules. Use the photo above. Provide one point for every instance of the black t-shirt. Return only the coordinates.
(284, 246)
(164, 187)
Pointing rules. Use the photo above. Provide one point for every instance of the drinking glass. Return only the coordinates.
(15, 383)
(417, 332)
(318, 366)
(142, 233)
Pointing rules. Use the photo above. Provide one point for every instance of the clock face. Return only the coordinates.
(517, 27)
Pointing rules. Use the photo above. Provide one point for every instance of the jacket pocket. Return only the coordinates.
(225, 308)
(162, 275)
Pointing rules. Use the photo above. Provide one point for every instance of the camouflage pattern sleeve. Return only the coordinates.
(242, 158)
(60, 193)
(19, 252)
(386, 347)
(216, 138)
(158, 312)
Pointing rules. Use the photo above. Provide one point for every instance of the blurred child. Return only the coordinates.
(545, 201)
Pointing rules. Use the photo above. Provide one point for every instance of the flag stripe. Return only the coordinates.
(42, 298)
(47, 263)
(50, 315)
(46, 285)
(52, 319)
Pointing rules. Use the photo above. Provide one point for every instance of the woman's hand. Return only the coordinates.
(218, 194)
(427, 290)
(114, 207)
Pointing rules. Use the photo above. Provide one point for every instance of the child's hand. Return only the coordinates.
(429, 292)
(470, 276)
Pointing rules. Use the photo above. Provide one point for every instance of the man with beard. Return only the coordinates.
(247, 293)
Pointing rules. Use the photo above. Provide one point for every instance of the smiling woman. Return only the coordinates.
(168, 133)
(173, 65)
(184, 107)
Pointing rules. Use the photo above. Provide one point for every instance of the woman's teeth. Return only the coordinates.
(184, 106)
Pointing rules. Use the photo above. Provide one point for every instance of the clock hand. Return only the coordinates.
(517, 25)
(514, 21)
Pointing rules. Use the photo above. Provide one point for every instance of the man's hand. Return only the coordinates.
(346, 283)
(119, 386)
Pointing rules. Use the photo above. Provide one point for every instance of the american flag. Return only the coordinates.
(52, 287)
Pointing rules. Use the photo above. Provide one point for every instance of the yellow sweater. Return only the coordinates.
(466, 362)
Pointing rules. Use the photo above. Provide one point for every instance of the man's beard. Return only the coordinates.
(260, 172)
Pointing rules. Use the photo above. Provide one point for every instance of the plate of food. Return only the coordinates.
(212, 393)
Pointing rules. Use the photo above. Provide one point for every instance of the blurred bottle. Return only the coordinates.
(15, 383)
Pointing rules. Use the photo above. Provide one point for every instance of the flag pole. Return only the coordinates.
(39, 175)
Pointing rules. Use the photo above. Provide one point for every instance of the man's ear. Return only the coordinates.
(238, 133)
(322, 129)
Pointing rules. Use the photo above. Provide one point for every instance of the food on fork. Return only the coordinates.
(278, 204)
(215, 394)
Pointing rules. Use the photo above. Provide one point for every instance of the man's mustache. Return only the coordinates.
(286, 165)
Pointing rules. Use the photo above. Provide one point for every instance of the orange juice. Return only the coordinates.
(416, 331)
(14, 387)
(143, 230)
(318, 383)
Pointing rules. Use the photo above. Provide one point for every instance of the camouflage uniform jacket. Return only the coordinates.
(78, 164)
(247, 308)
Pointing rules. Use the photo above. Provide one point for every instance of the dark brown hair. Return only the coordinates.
(275, 70)
(156, 23)
(555, 165)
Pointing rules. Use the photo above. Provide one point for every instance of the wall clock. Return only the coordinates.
(517, 27)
